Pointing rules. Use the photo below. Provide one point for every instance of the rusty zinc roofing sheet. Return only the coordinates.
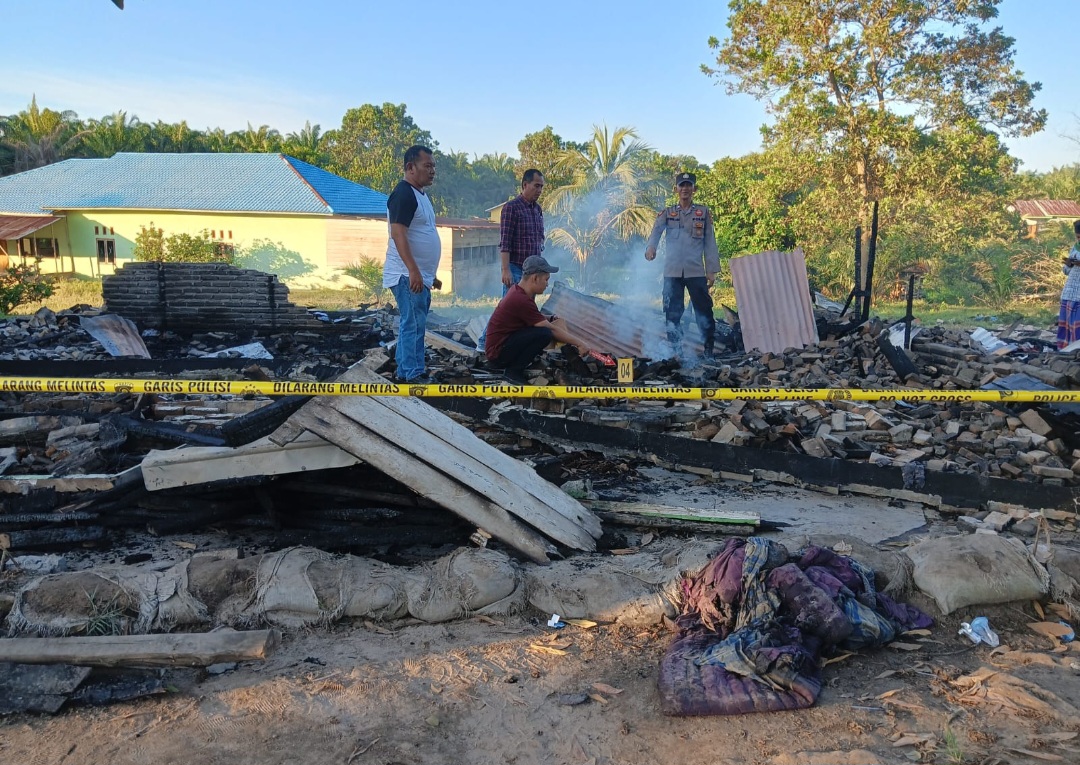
(1047, 208)
(17, 226)
(614, 328)
(773, 297)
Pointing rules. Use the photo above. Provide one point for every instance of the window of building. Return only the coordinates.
(45, 248)
(106, 251)
(483, 255)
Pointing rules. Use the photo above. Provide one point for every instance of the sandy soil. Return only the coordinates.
(480, 691)
(498, 691)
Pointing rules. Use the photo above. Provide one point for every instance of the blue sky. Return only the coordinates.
(478, 75)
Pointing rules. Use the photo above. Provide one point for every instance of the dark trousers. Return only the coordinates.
(700, 299)
(522, 348)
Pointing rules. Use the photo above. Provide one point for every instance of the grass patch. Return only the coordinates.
(106, 616)
(967, 316)
(68, 292)
(82, 290)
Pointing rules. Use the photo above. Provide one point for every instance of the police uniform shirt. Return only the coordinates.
(691, 241)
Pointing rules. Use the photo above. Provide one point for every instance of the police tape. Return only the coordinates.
(289, 388)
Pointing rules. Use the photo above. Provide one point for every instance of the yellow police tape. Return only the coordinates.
(285, 388)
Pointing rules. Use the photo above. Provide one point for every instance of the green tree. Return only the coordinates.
(308, 145)
(188, 248)
(465, 188)
(542, 150)
(114, 133)
(612, 195)
(1059, 183)
(869, 94)
(497, 180)
(218, 141)
(748, 203)
(455, 184)
(368, 272)
(272, 258)
(37, 137)
(369, 146)
(175, 138)
(260, 140)
(22, 284)
(150, 244)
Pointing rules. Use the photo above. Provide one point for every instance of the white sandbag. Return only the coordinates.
(459, 584)
(110, 600)
(635, 590)
(976, 569)
(284, 594)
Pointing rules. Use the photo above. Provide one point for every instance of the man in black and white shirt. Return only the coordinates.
(412, 259)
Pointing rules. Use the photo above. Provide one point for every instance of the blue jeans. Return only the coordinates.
(515, 277)
(413, 308)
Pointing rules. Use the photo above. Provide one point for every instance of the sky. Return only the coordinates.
(477, 75)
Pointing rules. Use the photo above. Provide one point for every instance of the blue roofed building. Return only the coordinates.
(81, 216)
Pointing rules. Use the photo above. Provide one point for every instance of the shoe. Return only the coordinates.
(418, 380)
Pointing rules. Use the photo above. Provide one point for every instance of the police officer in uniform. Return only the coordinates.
(691, 263)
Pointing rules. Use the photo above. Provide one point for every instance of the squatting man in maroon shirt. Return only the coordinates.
(517, 332)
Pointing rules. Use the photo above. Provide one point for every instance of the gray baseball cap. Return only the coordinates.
(535, 264)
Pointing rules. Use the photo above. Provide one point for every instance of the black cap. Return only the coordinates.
(535, 264)
(682, 178)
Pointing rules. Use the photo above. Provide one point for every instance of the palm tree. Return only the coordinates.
(613, 194)
(498, 164)
(307, 145)
(38, 137)
(261, 140)
(173, 138)
(115, 133)
(218, 141)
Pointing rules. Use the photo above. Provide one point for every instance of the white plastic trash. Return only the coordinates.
(979, 632)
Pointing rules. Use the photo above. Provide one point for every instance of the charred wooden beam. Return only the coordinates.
(17, 522)
(395, 499)
(960, 489)
(673, 524)
(49, 539)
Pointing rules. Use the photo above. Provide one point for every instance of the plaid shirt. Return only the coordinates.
(1072, 284)
(521, 231)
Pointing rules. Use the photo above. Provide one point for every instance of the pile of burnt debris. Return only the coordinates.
(971, 437)
(70, 463)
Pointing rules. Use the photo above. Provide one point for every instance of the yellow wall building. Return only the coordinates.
(82, 216)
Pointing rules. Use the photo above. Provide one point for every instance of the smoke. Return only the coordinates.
(616, 270)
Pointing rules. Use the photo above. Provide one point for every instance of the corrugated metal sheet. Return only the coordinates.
(623, 330)
(18, 226)
(1047, 208)
(344, 197)
(773, 298)
(269, 183)
(119, 336)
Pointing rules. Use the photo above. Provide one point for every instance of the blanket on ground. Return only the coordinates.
(754, 626)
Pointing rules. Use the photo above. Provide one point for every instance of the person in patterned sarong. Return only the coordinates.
(1069, 317)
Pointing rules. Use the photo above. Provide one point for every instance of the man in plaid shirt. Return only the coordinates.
(521, 232)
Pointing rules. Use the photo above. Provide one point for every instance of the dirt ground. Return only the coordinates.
(503, 690)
